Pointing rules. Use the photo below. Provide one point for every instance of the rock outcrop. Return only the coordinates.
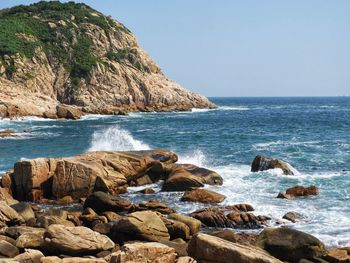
(262, 163)
(83, 58)
(299, 191)
(210, 249)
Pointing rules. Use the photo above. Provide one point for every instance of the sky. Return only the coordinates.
(242, 48)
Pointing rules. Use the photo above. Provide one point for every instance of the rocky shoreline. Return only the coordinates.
(76, 209)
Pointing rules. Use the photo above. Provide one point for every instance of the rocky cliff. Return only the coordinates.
(55, 53)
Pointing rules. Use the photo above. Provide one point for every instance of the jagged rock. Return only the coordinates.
(262, 163)
(236, 216)
(9, 216)
(30, 256)
(68, 112)
(24, 209)
(184, 177)
(75, 240)
(210, 249)
(290, 244)
(153, 205)
(101, 202)
(292, 216)
(6, 191)
(81, 175)
(144, 252)
(143, 225)
(193, 224)
(7, 249)
(203, 196)
(124, 78)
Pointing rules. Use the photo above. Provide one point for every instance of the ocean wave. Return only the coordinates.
(196, 157)
(200, 110)
(94, 117)
(114, 138)
(283, 143)
(238, 108)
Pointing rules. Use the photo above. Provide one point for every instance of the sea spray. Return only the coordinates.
(114, 138)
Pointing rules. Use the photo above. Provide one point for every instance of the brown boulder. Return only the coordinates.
(75, 240)
(31, 240)
(102, 202)
(240, 238)
(143, 225)
(186, 260)
(337, 256)
(153, 205)
(6, 196)
(54, 259)
(29, 256)
(7, 133)
(68, 112)
(177, 229)
(144, 252)
(45, 221)
(262, 163)
(9, 216)
(302, 191)
(16, 231)
(184, 177)
(24, 209)
(210, 249)
(292, 216)
(203, 196)
(193, 224)
(7, 249)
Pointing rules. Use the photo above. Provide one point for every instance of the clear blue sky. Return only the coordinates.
(242, 48)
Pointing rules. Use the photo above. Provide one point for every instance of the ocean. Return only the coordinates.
(311, 134)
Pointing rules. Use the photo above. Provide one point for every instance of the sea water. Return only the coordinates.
(311, 134)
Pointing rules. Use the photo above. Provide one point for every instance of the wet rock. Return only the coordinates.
(177, 229)
(65, 200)
(147, 191)
(262, 163)
(24, 209)
(68, 112)
(290, 245)
(76, 240)
(284, 196)
(7, 133)
(101, 202)
(9, 216)
(203, 196)
(300, 190)
(292, 216)
(144, 225)
(144, 252)
(184, 177)
(153, 205)
(29, 256)
(236, 216)
(206, 248)
(7, 249)
(193, 224)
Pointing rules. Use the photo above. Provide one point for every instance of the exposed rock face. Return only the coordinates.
(210, 249)
(144, 252)
(143, 225)
(114, 73)
(9, 216)
(262, 163)
(81, 175)
(76, 240)
(289, 244)
(203, 196)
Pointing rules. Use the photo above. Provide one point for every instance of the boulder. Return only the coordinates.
(178, 244)
(45, 221)
(337, 255)
(75, 240)
(203, 196)
(54, 259)
(236, 216)
(81, 175)
(177, 229)
(184, 177)
(101, 202)
(292, 216)
(16, 231)
(147, 191)
(7, 249)
(4, 192)
(31, 240)
(24, 209)
(68, 112)
(290, 244)
(193, 224)
(9, 216)
(8, 239)
(30, 256)
(300, 190)
(143, 225)
(241, 238)
(210, 249)
(153, 205)
(7, 133)
(144, 252)
(262, 163)
(111, 216)
(186, 260)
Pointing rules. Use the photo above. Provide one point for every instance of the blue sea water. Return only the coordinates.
(311, 134)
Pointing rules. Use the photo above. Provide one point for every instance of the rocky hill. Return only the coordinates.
(54, 53)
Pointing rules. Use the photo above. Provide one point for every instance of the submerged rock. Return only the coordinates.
(290, 245)
(206, 248)
(262, 163)
(7, 133)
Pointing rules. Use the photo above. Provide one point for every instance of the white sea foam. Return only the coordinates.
(115, 138)
(238, 108)
(93, 117)
(196, 157)
(199, 110)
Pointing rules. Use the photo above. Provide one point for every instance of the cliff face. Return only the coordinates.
(52, 53)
